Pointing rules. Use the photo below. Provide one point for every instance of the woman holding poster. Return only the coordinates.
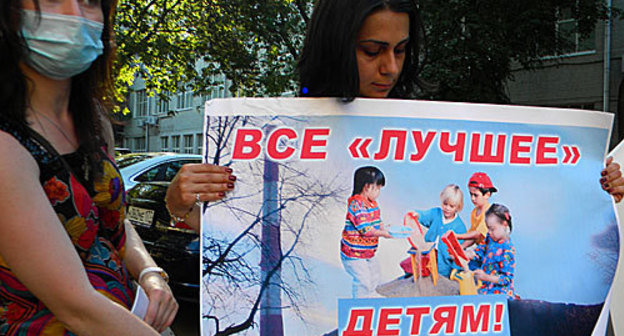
(346, 41)
(366, 48)
(67, 258)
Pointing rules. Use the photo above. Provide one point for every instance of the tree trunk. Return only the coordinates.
(271, 323)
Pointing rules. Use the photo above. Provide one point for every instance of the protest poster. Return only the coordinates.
(272, 260)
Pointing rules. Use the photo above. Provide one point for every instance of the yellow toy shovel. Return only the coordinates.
(466, 280)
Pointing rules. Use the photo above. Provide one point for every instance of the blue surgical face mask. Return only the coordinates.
(61, 46)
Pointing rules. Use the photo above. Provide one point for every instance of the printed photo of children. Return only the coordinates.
(300, 234)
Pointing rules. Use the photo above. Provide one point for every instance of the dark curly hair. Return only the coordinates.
(328, 65)
(92, 91)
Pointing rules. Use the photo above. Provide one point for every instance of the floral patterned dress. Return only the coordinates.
(496, 258)
(92, 214)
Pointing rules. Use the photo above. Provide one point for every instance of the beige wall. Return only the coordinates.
(575, 80)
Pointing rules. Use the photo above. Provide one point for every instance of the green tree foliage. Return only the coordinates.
(255, 43)
(471, 44)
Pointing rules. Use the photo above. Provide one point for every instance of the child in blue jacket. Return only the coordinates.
(441, 219)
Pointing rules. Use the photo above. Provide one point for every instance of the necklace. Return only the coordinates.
(40, 125)
(85, 161)
(59, 128)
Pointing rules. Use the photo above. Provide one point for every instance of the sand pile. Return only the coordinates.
(406, 287)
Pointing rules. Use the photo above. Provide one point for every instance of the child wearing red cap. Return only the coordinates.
(481, 188)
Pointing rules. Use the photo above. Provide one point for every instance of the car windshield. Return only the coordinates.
(128, 160)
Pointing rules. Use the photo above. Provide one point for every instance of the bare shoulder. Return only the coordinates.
(15, 159)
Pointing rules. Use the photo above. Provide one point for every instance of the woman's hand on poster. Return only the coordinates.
(198, 182)
(162, 307)
(611, 179)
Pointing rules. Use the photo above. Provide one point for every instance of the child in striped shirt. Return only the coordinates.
(363, 227)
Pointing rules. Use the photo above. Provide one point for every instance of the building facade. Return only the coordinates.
(589, 76)
(176, 125)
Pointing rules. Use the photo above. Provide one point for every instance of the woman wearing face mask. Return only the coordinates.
(372, 48)
(67, 259)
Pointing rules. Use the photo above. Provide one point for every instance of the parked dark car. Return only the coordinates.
(175, 249)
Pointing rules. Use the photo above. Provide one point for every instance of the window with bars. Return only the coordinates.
(175, 143)
(141, 104)
(185, 100)
(162, 105)
(164, 143)
(188, 143)
(200, 143)
(567, 27)
(139, 144)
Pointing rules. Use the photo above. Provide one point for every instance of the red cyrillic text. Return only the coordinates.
(445, 319)
(248, 144)
(399, 148)
(470, 321)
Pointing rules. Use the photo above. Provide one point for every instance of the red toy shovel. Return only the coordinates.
(455, 249)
